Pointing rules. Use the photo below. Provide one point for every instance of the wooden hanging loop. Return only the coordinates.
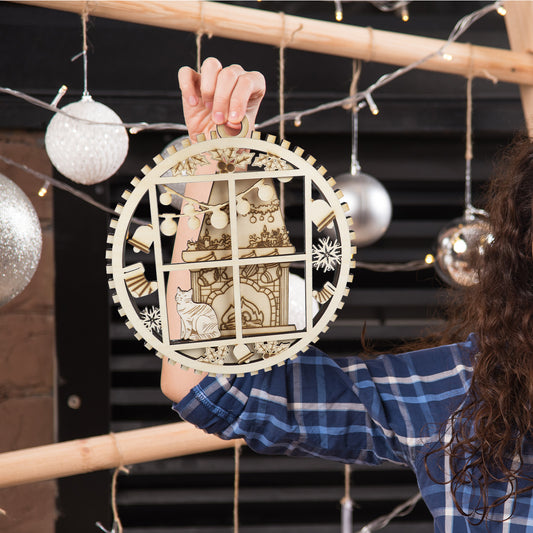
(223, 131)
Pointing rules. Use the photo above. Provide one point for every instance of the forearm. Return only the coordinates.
(176, 381)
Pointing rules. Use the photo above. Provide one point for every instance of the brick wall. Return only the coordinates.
(27, 354)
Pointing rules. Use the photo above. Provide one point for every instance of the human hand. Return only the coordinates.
(219, 96)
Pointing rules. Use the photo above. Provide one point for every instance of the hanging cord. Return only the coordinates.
(470, 210)
(281, 85)
(401, 510)
(281, 100)
(370, 44)
(469, 151)
(355, 167)
(117, 524)
(347, 503)
(281, 94)
(84, 20)
(199, 34)
(236, 481)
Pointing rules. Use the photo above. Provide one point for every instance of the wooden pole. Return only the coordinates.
(106, 451)
(265, 27)
(519, 22)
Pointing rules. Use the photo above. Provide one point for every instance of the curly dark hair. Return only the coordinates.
(490, 428)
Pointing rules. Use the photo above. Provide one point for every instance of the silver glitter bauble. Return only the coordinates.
(20, 240)
(369, 205)
(459, 247)
(86, 153)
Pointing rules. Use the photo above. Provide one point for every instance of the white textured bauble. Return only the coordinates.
(86, 153)
(370, 206)
(20, 240)
(297, 309)
(459, 247)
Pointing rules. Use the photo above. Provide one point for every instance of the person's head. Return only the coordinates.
(491, 426)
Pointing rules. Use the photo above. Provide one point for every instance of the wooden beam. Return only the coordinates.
(519, 22)
(265, 27)
(106, 451)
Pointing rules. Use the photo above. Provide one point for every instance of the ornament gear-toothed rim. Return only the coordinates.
(262, 143)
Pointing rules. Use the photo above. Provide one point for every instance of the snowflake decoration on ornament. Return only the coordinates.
(270, 348)
(188, 166)
(215, 355)
(271, 162)
(151, 318)
(326, 254)
(231, 159)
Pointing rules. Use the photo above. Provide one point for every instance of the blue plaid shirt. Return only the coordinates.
(391, 408)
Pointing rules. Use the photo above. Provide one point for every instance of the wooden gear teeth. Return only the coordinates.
(282, 156)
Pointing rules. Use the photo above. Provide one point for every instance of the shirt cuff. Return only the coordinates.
(209, 406)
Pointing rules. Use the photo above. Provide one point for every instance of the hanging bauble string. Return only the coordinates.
(20, 240)
(83, 152)
(462, 242)
(460, 247)
(369, 202)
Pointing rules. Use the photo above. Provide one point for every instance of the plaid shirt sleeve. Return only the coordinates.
(350, 410)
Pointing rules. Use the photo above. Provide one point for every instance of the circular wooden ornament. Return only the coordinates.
(202, 260)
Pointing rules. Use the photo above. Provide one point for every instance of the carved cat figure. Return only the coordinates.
(198, 320)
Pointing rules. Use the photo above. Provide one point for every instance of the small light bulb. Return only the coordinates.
(459, 246)
(338, 10)
(371, 104)
(44, 189)
(297, 122)
(62, 90)
(447, 57)
(405, 14)
(429, 259)
(502, 11)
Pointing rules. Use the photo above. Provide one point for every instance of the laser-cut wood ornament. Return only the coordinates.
(217, 236)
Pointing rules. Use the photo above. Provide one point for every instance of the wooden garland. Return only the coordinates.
(211, 291)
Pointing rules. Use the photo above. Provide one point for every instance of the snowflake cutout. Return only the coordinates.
(232, 159)
(188, 166)
(326, 254)
(215, 355)
(271, 162)
(151, 318)
(270, 348)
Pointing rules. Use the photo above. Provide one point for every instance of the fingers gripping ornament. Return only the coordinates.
(206, 284)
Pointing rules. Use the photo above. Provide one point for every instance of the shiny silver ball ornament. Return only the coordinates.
(86, 153)
(20, 240)
(369, 203)
(460, 245)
